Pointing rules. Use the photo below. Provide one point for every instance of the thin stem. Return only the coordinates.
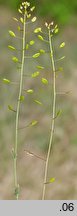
(17, 112)
(53, 116)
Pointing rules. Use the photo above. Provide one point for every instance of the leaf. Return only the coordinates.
(15, 59)
(37, 30)
(44, 81)
(11, 47)
(21, 20)
(32, 9)
(35, 74)
(21, 98)
(51, 180)
(11, 108)
(36, 55)
(40, 67)
(33, 123)
(33, 19)
(62, 45)
(30, 91)
(6, 81)
(42, 51)
(40, 37)
(32, 42)
(12, 34)
(38, 102)
(56, 30)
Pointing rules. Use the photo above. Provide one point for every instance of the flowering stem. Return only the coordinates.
(17, 112)
(53, 115)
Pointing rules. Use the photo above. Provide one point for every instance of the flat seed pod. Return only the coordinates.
(31, 42)
(12, 34)
(21, 19)
(30, 91)
(33, 123)
(42, 51)
(11, 108)
(62, 44)
(35, 74)
(44, 81)
(40, 67)
(15, 59)
(33, 19)
(52, 180)
(36, 55)
(11, 47)
(21, 98)
(37, 30)
(38, 102)
(6, 81)
(40, 37)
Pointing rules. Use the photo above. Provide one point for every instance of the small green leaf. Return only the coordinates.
(40, 67)
(40, 37)
(22, 20)
(51, 180)
(32, 9)
(21, 98)
(33, 19)
(33, 123)
(36, 55)
(30, 91)
(44, 81)
(32, 42)
(35, 74)
(37, 30)
(6, 81)
(42, 51)
(62, 45)
(38, 102)
(56, 30)
(15, 59)
(12, 34)
(11, 47)
(11, 108)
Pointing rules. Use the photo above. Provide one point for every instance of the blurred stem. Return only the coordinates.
(53, 115)
(17, 112)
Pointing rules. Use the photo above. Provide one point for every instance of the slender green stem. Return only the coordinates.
(53, 116)
(17, 112)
